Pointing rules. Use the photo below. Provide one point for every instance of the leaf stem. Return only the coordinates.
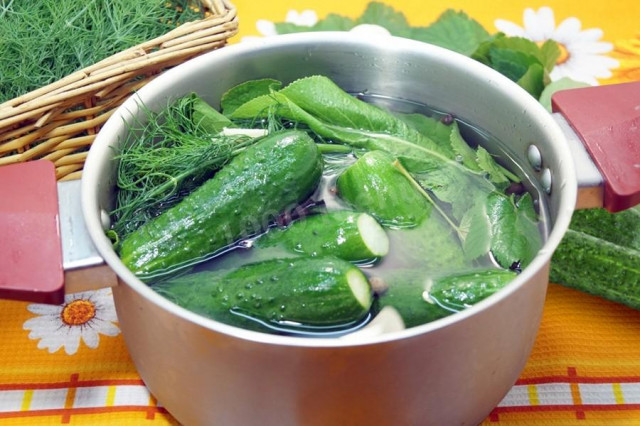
(420, 189)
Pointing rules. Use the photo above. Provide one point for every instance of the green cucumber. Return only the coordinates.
(351, 236)
(276, 173)
(420, 299)
(297, 293)
(374, 185)
(600, 255)
(403, 290)
(433, 245)
(460, 291)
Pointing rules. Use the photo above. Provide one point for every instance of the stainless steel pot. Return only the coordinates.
(449, 372)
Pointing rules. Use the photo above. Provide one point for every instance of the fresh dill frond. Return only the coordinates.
(43, 41)
(166, 156)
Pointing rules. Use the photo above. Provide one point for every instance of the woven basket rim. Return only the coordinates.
(223, 9)
(59, 121)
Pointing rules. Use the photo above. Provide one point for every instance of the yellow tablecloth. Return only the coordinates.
(69, 364)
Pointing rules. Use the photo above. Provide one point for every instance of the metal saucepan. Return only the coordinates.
(449, 372)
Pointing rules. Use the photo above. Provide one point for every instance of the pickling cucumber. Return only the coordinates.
(403, 290)
(460, 291)
(374, 185)
(420, 299)
(351, 236)
(241, 200)
(297, 293)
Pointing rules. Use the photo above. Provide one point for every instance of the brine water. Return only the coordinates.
(415, 256)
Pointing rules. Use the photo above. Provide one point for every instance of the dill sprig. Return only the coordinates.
(166, 156)
(43, 41)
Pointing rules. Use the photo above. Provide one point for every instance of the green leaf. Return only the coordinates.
(517, 44)
(475, 231)
(515, 237)
(207, 118)
(497, 173)
(449, 184)
(512, 63)
(519, 59)
(453, 30)
(244, 92)
(562, 84)
(533, 81)
(550, 53)
(434, 129)
(334, 114)
(385, 16)
(332, 22)
(465, 153)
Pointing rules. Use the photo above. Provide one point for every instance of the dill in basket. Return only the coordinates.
(166, 156)
(43, 41)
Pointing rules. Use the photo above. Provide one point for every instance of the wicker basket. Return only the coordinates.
(59, 122)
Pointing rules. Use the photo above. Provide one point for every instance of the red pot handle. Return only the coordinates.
(30, 246)
(607, 119)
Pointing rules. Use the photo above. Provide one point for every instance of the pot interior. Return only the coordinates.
(390, 70)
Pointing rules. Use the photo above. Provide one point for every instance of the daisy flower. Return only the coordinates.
(306, 18)
(83, 316)
(581, 55)
(371, 30)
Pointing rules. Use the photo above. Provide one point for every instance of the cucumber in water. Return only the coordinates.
(374, 185)
(355, 237)
(276, 173)
(298, 293)
(460, 291)
(420, 299)
(404, 293)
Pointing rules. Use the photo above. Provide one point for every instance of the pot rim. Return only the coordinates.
(537, 113)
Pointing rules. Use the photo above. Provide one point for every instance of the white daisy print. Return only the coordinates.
(371, 30)
(83, 316)
(581, 57)
(306, 18)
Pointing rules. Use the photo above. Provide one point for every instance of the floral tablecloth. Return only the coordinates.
(69, 363)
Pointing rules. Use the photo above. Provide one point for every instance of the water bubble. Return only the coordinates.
(283, 308)
(274, 278)
(248, 286)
